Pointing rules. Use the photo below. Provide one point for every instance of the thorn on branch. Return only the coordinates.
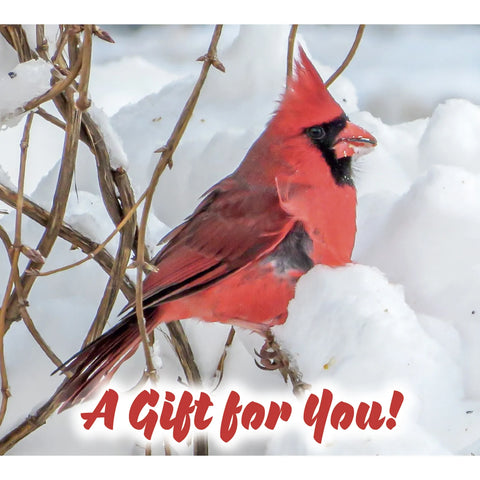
(147, 267)
(23, 302)
(102, 34)
(33, 254)
(74, 29)
(182, 382)
(218, 65)
(6, 392)
(96, 30)
(213, 60)
(162, 150)
(32, 271)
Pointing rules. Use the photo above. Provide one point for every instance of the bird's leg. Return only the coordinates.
(272, 357)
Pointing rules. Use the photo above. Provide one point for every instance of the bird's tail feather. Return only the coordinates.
(98, 361)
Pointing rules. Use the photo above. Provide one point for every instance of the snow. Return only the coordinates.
(404, 316)
(452, 136)
(25, 82)
(356, 310)
(139, 78)
(118, 159)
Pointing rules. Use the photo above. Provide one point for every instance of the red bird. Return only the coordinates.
(289, 206)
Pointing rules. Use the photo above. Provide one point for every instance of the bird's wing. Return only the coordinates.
(233, 226)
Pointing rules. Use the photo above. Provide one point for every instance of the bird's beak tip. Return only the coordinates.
(356, 136)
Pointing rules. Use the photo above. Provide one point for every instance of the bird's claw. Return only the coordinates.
(271, 357)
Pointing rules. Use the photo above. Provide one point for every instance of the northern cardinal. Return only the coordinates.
(289, 206)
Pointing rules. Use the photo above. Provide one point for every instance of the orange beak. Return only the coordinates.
(353, 140)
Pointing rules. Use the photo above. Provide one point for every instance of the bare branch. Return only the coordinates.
(221, 363)
(121, 260)
(83, 102)
(61, 42)
(42, 44)
(69, 234)
(348, 58)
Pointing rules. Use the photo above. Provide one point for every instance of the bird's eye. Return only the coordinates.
(316, 132)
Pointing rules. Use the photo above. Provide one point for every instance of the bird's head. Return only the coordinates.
(308, 116)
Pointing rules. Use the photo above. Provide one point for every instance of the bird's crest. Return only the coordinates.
(306, 100)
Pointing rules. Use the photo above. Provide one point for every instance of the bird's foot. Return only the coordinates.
(272, 357)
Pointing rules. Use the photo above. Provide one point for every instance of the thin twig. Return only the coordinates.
(18, 245)
(291, 45)
(59, 199)
(61, 42)
(104, 169)
(59, 123)
(73, 44)
(183, 350)
(22, 302)
(27, 319)
(50, 118)
(348, 58)
(165, 159)
(83, 102)
(122, 258)
(221, 363)
(21, 181)
(14, 256)
(3, 369)
(42, 44)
